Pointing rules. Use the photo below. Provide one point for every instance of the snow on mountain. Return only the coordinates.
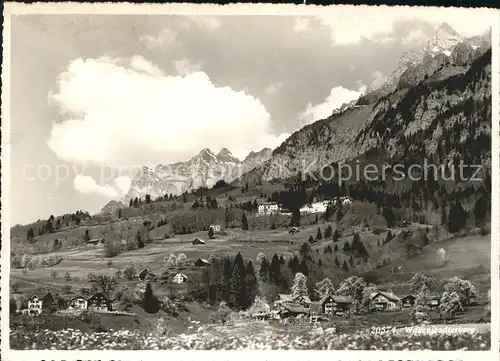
(203, 170)
(446, 45)
(443, 41)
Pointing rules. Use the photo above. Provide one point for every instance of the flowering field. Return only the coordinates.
(315, 338)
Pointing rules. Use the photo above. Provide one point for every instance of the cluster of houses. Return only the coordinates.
(331, 304)
(97, 302)
(270, 208)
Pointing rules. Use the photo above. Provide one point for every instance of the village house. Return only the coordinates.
(268, 208)
(99, 302)
(201, 262)
(285, 212)
(215, 228)
(408, 301)
(384, 301)
(77, 303)
(35, 306)
(198, 241)
(333, 304)
(179, 278)
(294, 230)
(434, 300)
(291, 310)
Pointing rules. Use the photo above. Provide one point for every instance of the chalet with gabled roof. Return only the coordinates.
(333, 304)
(201, 262)
(408, 301)
(99, 302)
(179, 278)
(35, 306)
(77, 303)
(198, 241)
(384, 301)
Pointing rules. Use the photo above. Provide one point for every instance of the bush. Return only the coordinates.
(129, 272)
(67, 276)
(67, 289)
(53, 274)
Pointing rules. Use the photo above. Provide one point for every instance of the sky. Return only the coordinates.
(95, 97)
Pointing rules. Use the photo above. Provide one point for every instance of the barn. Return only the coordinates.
(201, 262)
(198, 241)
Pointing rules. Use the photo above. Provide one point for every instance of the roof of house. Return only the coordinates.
(198, 240)
(294, 307)
(77, 297)
(409, 296)
(390, 296)
(337, 298)
(98, 294)
(202, 260)
(285, 298)
(33, 297)
(304, 299)
(180, 274)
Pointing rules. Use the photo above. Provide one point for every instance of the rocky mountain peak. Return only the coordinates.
(226, 156)
(443, 40)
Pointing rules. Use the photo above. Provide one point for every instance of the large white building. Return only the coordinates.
(320, 207)
(268, 208)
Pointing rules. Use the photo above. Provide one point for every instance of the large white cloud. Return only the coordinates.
(337, 97)
(88, 185)
(119, 114)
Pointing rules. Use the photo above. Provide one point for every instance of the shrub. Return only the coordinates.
(53, 274)
(67, 288)
(129, 272)
(109, 264)
(67, 276)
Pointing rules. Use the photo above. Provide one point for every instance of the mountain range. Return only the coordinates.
(418, 100)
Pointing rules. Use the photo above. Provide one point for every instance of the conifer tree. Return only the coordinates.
(251, 283)
(319, 236)
(264, 271)
(344, 266)
(150, 303)
(244, 222)
(238, 297)
(275, 270)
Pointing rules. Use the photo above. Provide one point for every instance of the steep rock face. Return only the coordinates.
(444, 118)
(203, 170)
(444, 48)
(440, 119)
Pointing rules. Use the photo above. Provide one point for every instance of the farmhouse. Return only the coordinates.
(268, 208)
(291, 310)
(332, 304)
(408, 301)
(303, 301)
(34, 306)
(78, 303)
(99, 302)
(201, 262)
(434, 300)
(294, 230)
(285, 212)
(179, 278)
(198, 241)
(384, 301)
(215, 227)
